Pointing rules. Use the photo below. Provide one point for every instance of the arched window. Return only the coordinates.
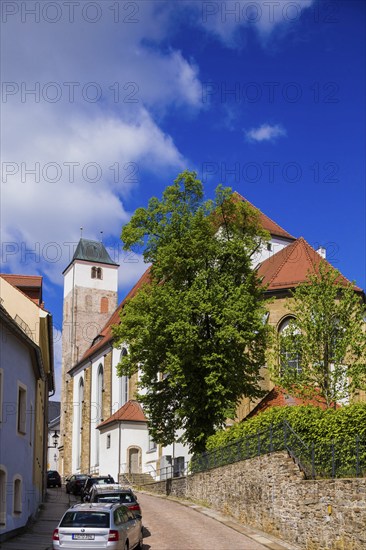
(104, 305)
(2, 497)
(17, 504)
(79, 421)
(290, 352)
(100, 390)
(93, 272)
(123, 383)
(99, 273)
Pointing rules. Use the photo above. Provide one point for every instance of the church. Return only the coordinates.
(103, 428)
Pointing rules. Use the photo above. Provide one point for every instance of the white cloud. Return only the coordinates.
(227, 19)
(118, 139)
(266, 132)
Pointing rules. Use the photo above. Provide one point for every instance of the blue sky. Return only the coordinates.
(265, 97)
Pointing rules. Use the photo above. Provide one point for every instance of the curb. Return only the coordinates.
(260, 537)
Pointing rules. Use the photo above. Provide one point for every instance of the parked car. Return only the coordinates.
(91, 481)
(115, 493)
(98, 526)
(53, 479)
(75, 483)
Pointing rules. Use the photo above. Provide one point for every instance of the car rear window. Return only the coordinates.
(85, 519)
(115, 497)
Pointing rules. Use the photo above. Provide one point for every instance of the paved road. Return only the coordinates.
(168, 525)
(172, 526)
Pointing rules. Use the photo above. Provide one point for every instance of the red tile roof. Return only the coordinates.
(278, 397)
(29, 285)
(130, 412)
(269, 225)
(291, 266)
(106, 333)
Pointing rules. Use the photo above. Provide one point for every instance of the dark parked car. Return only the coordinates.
(53, 479)
(75, 483)
(91, 481)
(117, 494)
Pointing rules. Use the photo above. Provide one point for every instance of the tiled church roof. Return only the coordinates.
(290, 266)
(269, 225)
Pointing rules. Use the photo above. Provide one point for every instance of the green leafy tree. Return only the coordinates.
(322, 352)
(196, 330)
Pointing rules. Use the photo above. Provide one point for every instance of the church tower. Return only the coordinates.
(90, 298)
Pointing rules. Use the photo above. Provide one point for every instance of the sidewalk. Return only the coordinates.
(39, 535)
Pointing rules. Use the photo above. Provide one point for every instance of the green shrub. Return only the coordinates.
(317, 428)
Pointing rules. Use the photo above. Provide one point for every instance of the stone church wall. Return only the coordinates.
(270, 494)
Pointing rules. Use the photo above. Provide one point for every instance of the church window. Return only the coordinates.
(123, 383)
(79, 420)
(99, 273)
(93, 272)
(290, 352)
(100, 390)
(104, 305)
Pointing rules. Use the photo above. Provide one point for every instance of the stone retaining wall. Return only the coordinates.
(270, 494)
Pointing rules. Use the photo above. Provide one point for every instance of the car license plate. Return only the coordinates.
(82, 536)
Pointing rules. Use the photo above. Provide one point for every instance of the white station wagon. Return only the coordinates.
(98, 526)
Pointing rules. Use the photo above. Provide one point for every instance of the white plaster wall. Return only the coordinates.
(94, 411)
(132, 434)
(117, 383)
(75, 432)
(80, 275)
(263, 253)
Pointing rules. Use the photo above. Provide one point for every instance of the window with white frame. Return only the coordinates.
(22, 409)
(17, 503)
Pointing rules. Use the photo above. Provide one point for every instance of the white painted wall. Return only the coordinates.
(118, 383)
(94, 413)
(79, 274)
(75, 424)
(263, 253)
(126, 434)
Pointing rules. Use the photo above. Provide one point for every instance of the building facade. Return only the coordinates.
(106, 430)
(26, 380)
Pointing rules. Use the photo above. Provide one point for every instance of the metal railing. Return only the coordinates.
(321, 460)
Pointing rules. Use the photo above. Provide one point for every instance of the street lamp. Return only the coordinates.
(55, 440)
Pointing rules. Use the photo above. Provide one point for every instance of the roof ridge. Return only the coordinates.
(286, 255)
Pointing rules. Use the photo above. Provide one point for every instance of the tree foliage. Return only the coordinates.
(326, 338)
(195, 331)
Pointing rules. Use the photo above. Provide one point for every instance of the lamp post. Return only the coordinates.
(55, 441)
